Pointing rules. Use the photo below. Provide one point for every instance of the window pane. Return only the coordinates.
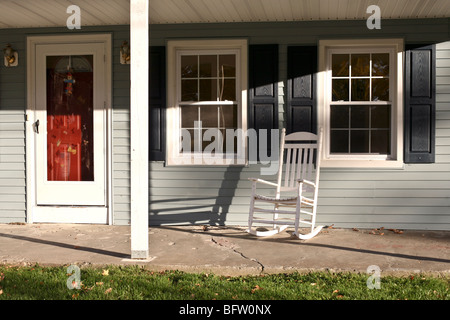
(208, 116)
(380, 117)
(228, 90)
(340, 65)
(340, 89)
(360, 65)
(189, 66)
(208, 90)
(360, 89)
(209, 139)
(380, 64)
(380, 89)
(360, 117)
(70, 118)
(233, 143)
(208, 66)
(227, 64)
(339, 141)
(189, 90)
(189, 114)
(359, 141)
(339, 117)
(380, 142)
(228, 116)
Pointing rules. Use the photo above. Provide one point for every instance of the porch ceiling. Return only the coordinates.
(52, 13)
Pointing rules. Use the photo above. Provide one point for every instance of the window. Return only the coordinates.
(363, 127)
(208, 97)
(361, 104)
(207, 101)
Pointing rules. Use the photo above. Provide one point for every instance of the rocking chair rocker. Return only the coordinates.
(300, 177)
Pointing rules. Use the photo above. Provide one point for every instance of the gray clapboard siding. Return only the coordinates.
(12, 164)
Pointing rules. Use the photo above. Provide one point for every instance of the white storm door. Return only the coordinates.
(70, 129)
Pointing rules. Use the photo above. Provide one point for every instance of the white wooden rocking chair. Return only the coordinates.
(299, 179)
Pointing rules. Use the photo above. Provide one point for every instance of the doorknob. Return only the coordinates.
(36, 126)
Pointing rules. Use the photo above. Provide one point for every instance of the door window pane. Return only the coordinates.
(70, 143)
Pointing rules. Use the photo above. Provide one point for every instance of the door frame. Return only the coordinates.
(67, 214)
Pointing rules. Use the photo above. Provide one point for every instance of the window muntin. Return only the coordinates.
(360, 108)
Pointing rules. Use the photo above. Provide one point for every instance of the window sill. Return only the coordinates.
(367, 164)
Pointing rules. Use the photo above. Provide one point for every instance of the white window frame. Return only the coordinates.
(174, 48)
(395, 48)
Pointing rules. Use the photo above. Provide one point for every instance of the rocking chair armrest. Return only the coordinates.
(263, 181)
(307, 182)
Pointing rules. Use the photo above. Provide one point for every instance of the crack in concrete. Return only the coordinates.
(240, 253)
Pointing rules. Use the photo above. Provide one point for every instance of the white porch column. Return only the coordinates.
(139, 44)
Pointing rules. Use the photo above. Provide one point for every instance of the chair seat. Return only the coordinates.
(273, 199)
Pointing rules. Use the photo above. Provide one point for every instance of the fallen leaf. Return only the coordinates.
(1, 292)
(108, 290)
(396, 231)
(256, 288)
(335, 291)
(99, 283)
(105, 273)
(355, 229)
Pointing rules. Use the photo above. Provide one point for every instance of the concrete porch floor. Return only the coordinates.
(228, 250)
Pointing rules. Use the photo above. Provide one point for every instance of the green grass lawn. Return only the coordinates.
(136, 283)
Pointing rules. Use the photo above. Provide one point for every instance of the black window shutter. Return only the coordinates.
(157, 100)
(263, 89)
(420, 104)
(301, 110)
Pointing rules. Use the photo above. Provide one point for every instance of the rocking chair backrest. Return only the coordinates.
(300, 154)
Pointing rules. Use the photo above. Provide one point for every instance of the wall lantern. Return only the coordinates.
(11, 57)
(125, 53)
